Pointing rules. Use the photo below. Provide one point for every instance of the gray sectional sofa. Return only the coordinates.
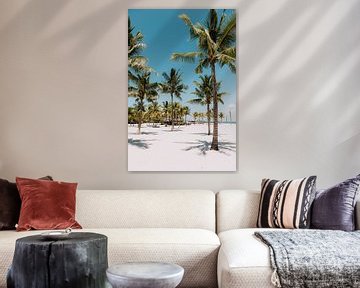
(210, 235)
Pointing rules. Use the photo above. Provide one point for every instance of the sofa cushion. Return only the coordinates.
(153, 209)
(244, 261)
(286, 204)
(194, 249)
(236, 209)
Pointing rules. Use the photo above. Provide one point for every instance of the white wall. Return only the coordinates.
(63, 92)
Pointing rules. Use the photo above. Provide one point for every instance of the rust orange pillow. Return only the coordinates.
(46, 204)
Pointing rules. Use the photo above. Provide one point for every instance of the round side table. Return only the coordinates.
(78, 261)
(145, 275)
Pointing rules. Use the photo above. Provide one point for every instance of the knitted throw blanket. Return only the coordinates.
(313, 258)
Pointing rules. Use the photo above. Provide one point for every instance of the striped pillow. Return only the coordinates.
(286, 204)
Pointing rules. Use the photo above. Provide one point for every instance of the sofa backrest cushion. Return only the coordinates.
(236, 209)
(146, 209)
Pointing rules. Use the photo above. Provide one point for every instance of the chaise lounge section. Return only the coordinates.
(244, 260)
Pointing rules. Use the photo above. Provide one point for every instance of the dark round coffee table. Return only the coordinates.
(80, 261)
(145, 275)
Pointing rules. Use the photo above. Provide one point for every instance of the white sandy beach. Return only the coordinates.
(187, 148)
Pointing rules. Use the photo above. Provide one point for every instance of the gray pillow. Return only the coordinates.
(334, 208)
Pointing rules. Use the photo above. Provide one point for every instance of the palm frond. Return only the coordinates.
(188, 57)
(193, 29)
(230, 51)
(222, 18)
(203, 63)
(227, 35)
(137, 62)
(166, 76)
(135, 49)
(131, 76)
(195, 101)
(224, 59)
(211, 45)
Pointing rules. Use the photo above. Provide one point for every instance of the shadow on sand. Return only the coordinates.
(204, 146)
(201, 133)
(142, 144)
(175, 130)
(144, 133)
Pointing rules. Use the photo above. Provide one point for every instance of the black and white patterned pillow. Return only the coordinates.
(286, 204)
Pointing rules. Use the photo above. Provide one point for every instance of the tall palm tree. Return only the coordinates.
(142, 89)
(174, 86)
(203, 92)
(216, 45)
(136, 61)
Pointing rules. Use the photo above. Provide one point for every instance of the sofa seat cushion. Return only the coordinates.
(244, 261)
(194, 249)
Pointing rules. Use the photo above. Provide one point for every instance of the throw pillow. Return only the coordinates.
(334, 208)
(286, 204)
(46, 204)
(10, 204)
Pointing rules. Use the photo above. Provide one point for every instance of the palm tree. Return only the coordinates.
(203, 91)
(142, 89)
(173, 85)
(195, 116)
(221, 116)
(177, 110)
(201, 116)
(166, 111)
(216, 45)
(154, 112)
(131, 115)
(136, 62)
(186, 112)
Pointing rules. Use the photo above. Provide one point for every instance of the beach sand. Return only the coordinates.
(187, 148)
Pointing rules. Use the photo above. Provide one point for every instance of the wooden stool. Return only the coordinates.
(78, 261)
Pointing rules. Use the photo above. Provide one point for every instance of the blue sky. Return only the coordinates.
(165, 33)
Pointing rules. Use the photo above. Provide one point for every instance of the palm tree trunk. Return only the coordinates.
(215, 140)
(139, 122)
(172, 112)
(208, 118)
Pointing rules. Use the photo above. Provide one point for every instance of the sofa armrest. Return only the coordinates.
(357, 215)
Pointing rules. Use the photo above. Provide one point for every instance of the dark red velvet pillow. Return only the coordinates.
(46, 204)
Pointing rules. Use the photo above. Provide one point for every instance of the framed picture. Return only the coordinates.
(182, 90)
